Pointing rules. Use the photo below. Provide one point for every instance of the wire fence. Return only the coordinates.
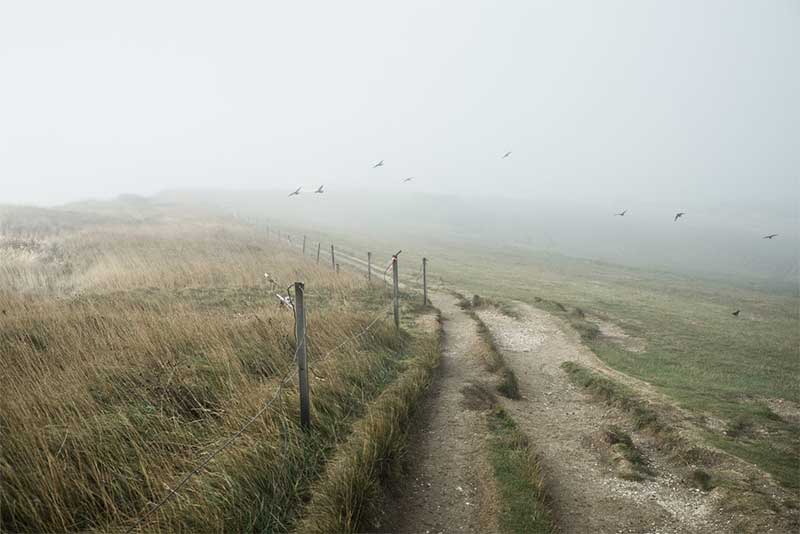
(302, 343)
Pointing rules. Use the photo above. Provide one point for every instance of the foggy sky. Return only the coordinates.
(677, 104)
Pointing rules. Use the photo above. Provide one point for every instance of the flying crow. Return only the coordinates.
(295, 192)
(679, 215)
(506, 155)
(770, 236)
(622, 213)
(320, 189)
(736, 313)
(379, 164)
(408, 179)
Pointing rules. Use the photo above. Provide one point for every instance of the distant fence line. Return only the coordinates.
(298, 306)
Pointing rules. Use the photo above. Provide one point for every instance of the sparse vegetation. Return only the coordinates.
(132, 346)
(755, 505)
(626, 458)
(491, 355)
(616, 394)
(523, 502)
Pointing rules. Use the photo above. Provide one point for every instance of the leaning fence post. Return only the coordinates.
(333, 259)
(304, 245)
(302, 362)
(337, 268)
(424, 281)
(369, 266)
(319, 246)
(396, 293)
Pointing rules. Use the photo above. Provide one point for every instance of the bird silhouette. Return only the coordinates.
(379, 164)
(736, 313)
(770, 236)
(295, 192)
(622, 213)
(506, 155)
(319, 190)
(679, 215)
(409, 179)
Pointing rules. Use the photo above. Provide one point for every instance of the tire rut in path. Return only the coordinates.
(441, 491)
(559, 419)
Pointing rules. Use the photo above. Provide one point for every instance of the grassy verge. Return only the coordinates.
(519, 482)
(757, 506)
(508, 385)
(616, 394)
(352, 480)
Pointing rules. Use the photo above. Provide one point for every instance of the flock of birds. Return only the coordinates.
(380, 163)
(622, 213)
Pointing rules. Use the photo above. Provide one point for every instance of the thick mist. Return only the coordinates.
(720, 241)
(655, 107)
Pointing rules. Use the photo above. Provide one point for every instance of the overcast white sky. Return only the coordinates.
(673, 102)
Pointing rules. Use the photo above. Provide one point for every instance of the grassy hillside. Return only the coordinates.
(135, 339)
(738, 374)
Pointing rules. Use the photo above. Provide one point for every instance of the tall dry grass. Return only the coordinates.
(131, 348)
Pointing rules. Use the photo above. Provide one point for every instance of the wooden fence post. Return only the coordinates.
(424, 281)
(369, 266)
(304, 245)
(396, 293)
(302, 362)
(333, 259)
(319, 246)
(337, 268)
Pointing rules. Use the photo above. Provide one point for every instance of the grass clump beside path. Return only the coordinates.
(615, 394)
(523, 507)
(351, 484)
(508, 386)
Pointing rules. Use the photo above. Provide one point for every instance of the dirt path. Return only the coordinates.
(586, 494)
(442, 491)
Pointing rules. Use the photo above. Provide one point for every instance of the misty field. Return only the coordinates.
(132, 346)
(737, 374)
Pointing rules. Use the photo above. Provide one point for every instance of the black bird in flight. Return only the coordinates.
(679, 215)
(622, 213)
(319, 190)
(736, 313)
(379, 164)
(770, 236)
(506, 155)
(295, 192)
(409, 179)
